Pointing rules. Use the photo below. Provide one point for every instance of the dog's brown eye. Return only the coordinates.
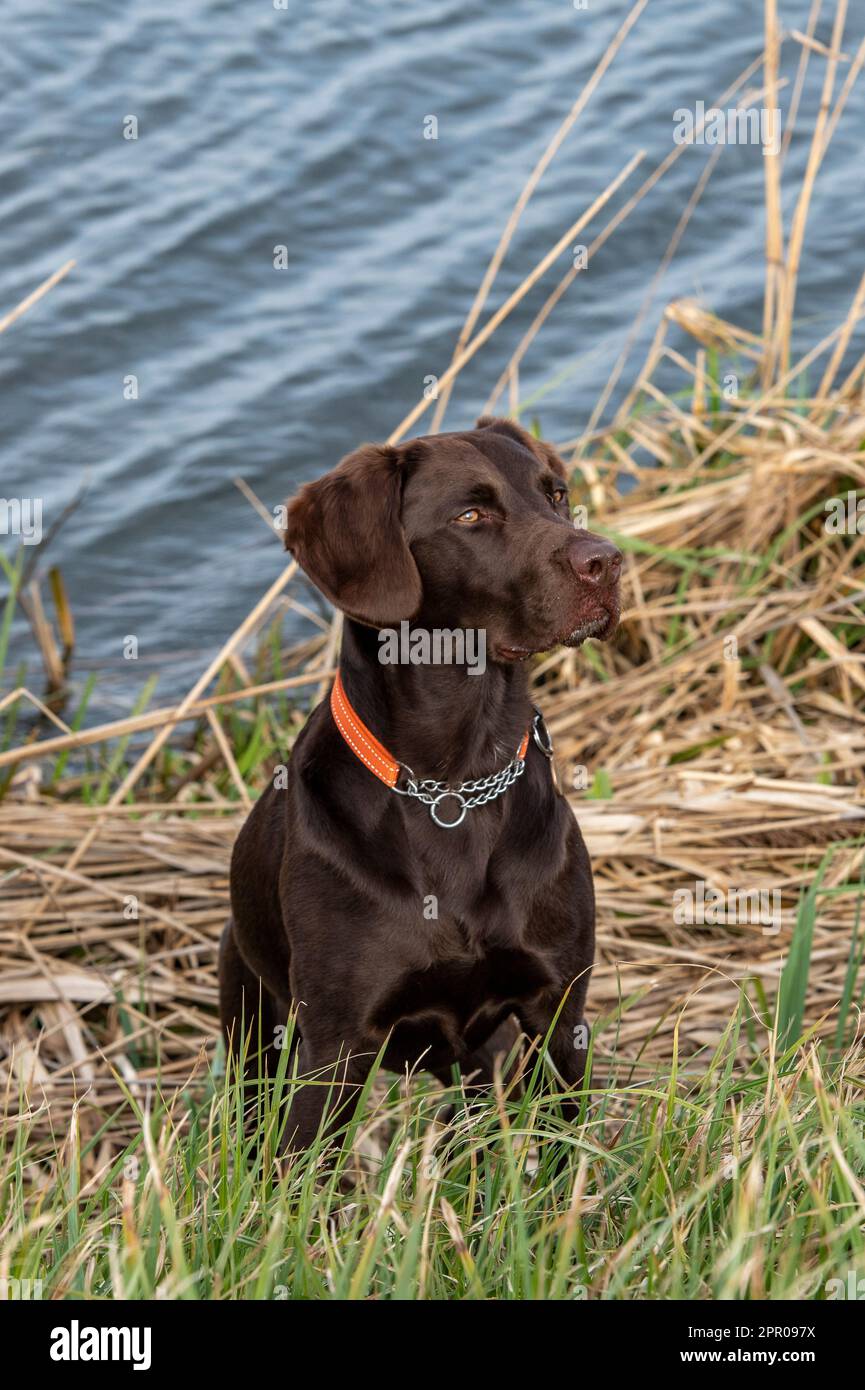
(559, 496)
(468, 518)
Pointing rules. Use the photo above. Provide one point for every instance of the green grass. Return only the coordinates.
(711, 1181)
(13, 572)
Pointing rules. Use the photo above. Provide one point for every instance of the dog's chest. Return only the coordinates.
(460, 989)
(454, 869)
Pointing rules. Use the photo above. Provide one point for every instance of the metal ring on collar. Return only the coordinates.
(410, 789)
(449, 824)
(539, 728)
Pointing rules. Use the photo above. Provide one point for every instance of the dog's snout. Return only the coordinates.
(596, 562)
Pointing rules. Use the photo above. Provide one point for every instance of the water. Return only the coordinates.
(258, 128)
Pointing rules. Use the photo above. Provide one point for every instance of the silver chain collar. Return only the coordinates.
(477, 792)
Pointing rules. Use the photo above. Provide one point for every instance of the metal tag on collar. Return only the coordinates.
(541, 734)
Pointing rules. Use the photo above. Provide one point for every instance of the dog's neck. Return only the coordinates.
(440, 720)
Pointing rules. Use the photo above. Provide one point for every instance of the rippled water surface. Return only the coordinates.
(304, 128)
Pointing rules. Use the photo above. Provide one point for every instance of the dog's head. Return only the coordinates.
(468, 530)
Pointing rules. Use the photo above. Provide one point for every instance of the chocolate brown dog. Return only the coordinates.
(419, 880)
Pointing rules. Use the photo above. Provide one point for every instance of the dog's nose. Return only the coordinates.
(595, 561)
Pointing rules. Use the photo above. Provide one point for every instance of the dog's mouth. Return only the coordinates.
(602, 627)
(514, 653)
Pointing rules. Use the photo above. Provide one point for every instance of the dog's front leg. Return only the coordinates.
(328, 1084)
(567, 1039)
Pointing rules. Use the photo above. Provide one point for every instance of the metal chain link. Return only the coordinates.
(473, 793)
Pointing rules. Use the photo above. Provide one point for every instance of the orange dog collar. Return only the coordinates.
(373, 754)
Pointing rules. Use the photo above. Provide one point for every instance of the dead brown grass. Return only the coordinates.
(727, 722)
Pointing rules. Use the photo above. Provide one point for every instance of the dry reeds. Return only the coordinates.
(719, 741)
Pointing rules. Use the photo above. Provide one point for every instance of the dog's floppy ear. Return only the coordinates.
(345, 531)
(539, 447)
